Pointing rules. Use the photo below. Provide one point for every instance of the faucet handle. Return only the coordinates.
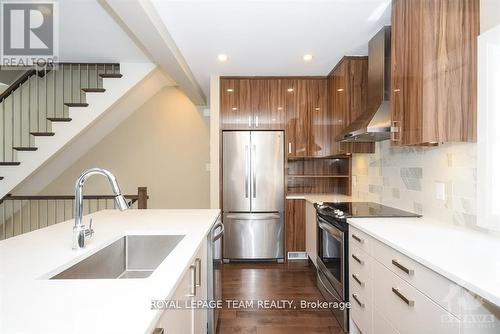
(89, 232)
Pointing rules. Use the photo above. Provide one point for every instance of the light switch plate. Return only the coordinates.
(206, 112)
(440, 191)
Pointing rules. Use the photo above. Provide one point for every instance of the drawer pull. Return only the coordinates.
(357, 280)
(403, 268)
(358, 260)
(358, 239)
(355, 296)
(403, 298)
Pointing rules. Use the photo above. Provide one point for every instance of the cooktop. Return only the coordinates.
(342, 210)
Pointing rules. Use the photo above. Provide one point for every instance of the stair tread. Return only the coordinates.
(9, 163)
(59, 119)
(42, 133)
(94, 90)
(110, 75)
(77, 104)
(20, 148)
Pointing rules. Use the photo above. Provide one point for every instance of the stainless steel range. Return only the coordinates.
(333, 247)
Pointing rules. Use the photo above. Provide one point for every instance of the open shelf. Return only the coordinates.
(320, 175)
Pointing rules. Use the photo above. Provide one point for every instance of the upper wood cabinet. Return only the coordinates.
(307, 120)
(434, 67)
(348, 99)
(251, 103)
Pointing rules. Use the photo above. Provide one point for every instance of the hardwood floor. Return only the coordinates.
(271, 281)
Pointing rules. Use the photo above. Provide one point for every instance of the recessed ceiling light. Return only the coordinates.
(234, 108)
(280, 108)
(397, 90)
(307, 57)
(222, 57)
(289, 90)
(317, 109)
(340, 90)
(230, 90)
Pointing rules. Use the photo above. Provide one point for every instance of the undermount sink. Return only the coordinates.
(132, 256)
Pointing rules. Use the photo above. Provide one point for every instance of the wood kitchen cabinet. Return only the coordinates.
(434, 67)
(295, 226)
(252, 103)
(347, 100)
(308, 122)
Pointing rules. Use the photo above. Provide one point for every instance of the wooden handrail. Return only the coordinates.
(22, 79)
(141, 197)
(29, 73)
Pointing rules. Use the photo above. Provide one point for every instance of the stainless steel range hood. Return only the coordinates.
(375, 123)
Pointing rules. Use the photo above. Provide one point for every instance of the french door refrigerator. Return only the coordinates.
(253, 194)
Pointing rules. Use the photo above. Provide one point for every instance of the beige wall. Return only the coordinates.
(164, 145)
(490, 14)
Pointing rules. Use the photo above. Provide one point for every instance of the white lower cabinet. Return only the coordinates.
(408, 310)
(192, 287)
(393, 294)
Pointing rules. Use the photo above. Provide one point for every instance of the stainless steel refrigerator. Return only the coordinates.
(253, 194)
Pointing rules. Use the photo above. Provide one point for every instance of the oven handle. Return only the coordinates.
(324, 285)
(331, 230)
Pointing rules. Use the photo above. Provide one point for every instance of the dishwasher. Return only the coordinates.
(214, 265)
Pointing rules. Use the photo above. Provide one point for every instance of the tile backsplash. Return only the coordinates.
(437, 182)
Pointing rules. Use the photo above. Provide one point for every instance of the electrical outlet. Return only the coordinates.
(440, 191)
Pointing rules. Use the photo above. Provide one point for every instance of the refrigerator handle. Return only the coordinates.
(254, 181)
(246, 170)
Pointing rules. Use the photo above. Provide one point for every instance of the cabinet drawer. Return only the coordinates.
(407, 309)
(361, 298)
(381, 325)
(360, 239)
(360, 262)
(441, 290)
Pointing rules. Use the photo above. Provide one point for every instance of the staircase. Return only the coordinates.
(47, 107)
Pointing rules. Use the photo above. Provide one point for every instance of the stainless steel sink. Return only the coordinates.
(133, 256)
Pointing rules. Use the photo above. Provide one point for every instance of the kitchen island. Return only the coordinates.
(32, 303)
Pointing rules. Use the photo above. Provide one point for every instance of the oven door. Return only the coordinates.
(331, 257)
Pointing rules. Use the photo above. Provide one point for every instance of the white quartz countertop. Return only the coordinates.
(465, 256)
(315, 198)
(30, 303)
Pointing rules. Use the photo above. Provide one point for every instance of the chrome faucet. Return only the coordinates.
(80, 232)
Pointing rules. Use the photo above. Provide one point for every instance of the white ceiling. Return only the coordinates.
(270, 37)
(87, 33)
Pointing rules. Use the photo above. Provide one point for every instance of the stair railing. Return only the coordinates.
(22, 214)
(42, 96)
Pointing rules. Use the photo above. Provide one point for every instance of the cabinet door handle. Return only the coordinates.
(403, 297)
(192, 293)
(403, 268)
(358, 280)
(395, 129)
(198, 263)
(256, 121)
(249, 121)
(358, 239)
(289, 148)
(358, 260)
(355, 296)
